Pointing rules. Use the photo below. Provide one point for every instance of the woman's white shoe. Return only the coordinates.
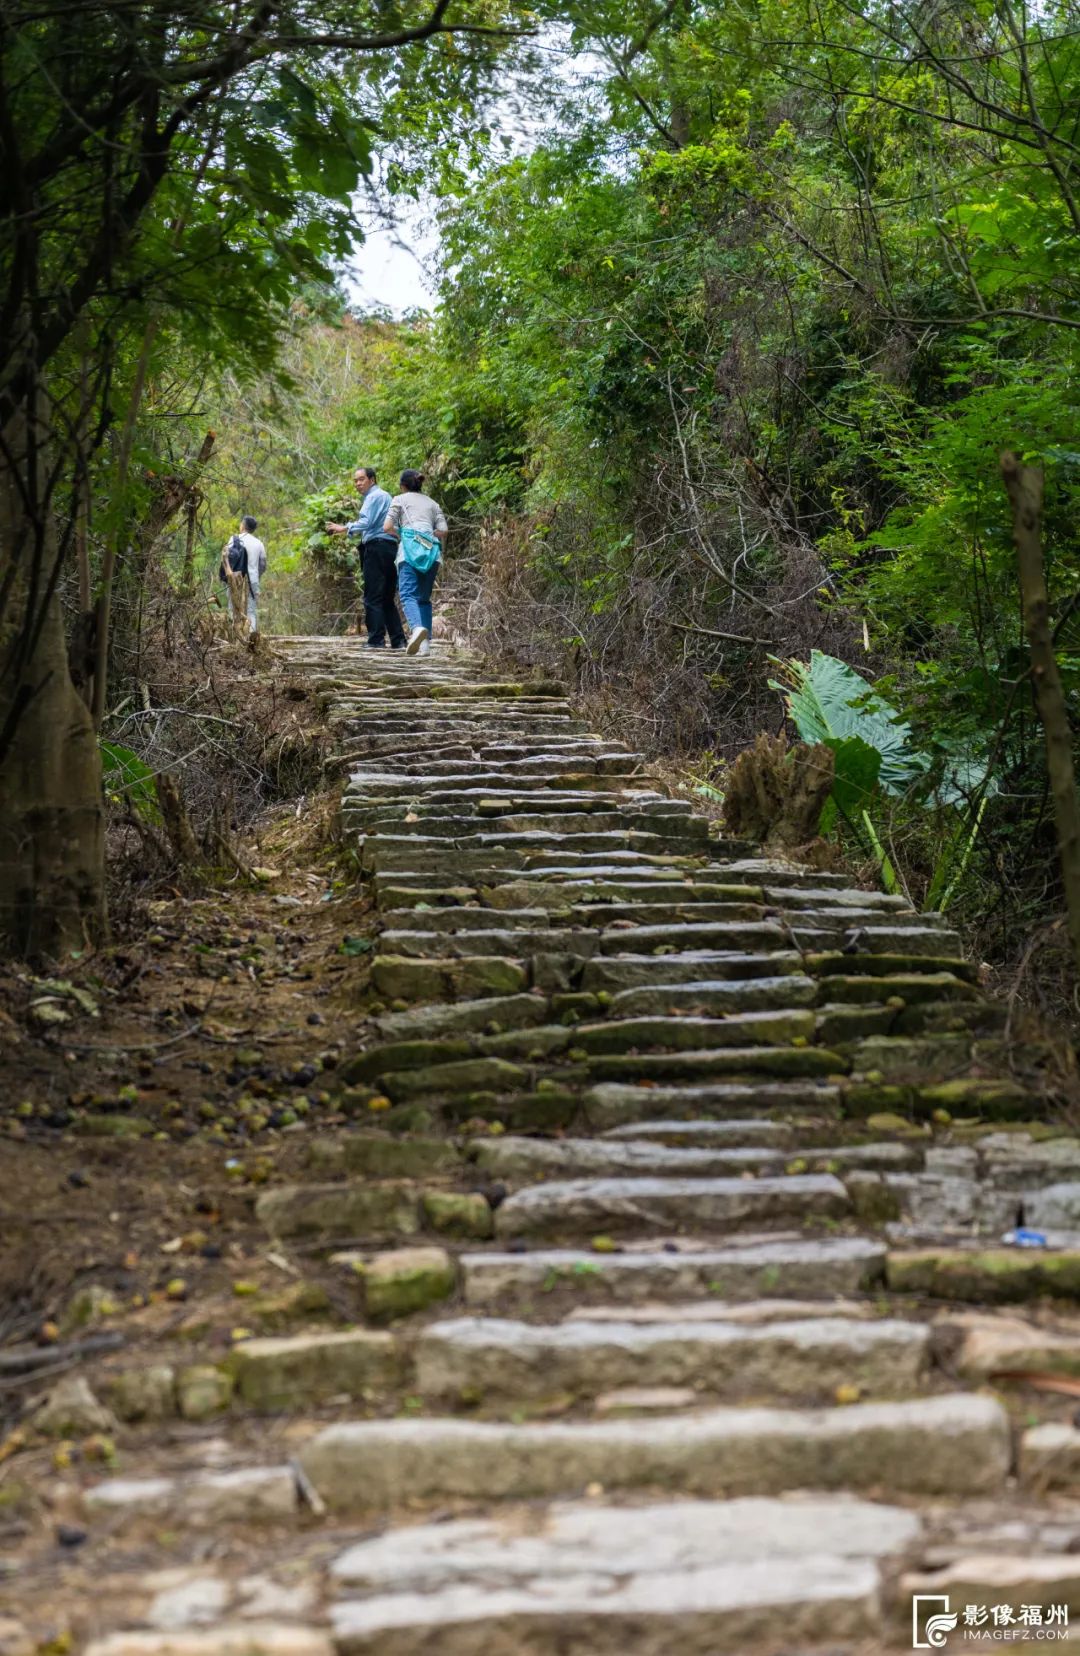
(417, 637)
(425, 648)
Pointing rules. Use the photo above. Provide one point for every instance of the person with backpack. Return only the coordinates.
(377, 566)
(418, 524)
(243, 565)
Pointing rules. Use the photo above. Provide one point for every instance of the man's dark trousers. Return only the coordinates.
(380, 591)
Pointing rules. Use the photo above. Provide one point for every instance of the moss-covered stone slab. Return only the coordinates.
(146, 1393)
(397, 977)
(479, 1016)
(406, 1280)
(402, 1055)
(471, 1074)
(829, 963)
(781, 1062)
(274, 1376)
(912, 988)
(466, 1216)
(716, 996)
(997, 1275)
(992, 1099)
(336, 1211)
(203, 1391)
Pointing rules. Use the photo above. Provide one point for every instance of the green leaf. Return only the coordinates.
(355, 945)
(829, 701)
(123, 773)
(858, 768)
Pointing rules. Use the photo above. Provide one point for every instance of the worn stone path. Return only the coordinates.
(671, 1208)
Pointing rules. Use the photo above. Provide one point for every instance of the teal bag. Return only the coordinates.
(422, 550)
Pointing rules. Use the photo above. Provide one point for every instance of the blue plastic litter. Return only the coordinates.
(1024, 1238)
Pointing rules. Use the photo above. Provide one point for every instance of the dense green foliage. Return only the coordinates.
(724, 364)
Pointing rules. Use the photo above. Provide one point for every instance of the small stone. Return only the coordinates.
(406, 1280)
(453, 1214)
(14, 1639)
(70, 1535)
(203, 1391)
(145, 1393)
(72, 1410)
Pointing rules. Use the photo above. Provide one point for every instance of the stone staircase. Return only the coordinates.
(673, 1177)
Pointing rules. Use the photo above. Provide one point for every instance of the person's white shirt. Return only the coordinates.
(256, 552)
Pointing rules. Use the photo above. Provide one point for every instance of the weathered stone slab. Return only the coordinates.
(981, 1345)
(201, 1499)
(646, 1540)
(999, 1275)
(718, 995)
(953, 1445)
(767, 1027)
(485, 1360)
(615, 1103)
(339, 1210)
(583, 1207)
(246, 1638)
(397, 977)
(723, 1609)
(839, 1265)
(1050, 1457)
(778, 1062)
(296, 1372)
(629, 970)
(430, 1022)
(718, 1135)
(524, 1158)
(467, 1075)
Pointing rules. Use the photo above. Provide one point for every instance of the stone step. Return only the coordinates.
(574, 1208)
(391, 784)
(629, 971)
(542, 827)
(430, 1022)
(775, 1061)
(700, 1577)
(652, 1539)
(493, 1362)
(985, 1275)
(748, 1132)
(612, 761)
(744, 1270)
(518, 1159)
(717, 995)
(954, 1446)
(396, 977)
(616, 1104)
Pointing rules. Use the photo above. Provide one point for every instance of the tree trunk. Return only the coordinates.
(1025, 486)
(52, 842)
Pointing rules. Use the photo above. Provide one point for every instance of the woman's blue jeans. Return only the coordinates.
(414, 589)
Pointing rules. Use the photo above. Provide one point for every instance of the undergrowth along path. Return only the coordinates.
(636, 1294)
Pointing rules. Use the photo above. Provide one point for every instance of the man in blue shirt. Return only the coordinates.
(378, 554)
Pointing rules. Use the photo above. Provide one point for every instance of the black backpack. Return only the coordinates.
(238, 558)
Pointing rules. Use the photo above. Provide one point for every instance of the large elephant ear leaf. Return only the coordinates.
(858, 769)
(828, 701)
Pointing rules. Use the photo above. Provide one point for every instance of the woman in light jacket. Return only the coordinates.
(418, 524)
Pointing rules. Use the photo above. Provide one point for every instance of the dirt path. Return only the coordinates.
(613, 1210)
